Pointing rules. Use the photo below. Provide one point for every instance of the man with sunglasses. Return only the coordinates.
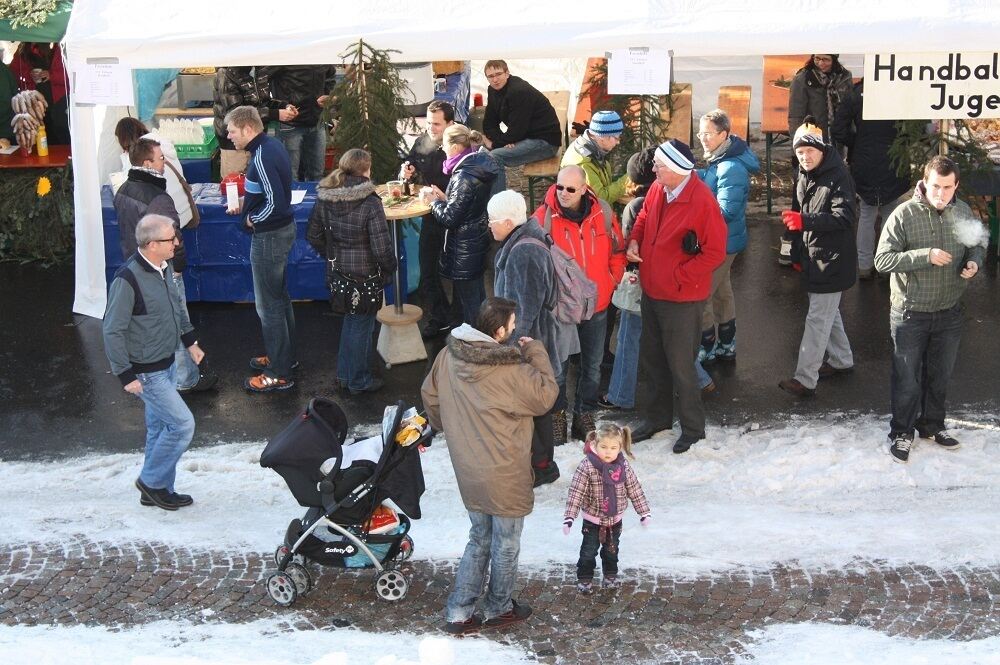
(143, 324)
(586, 228)
(145, 193)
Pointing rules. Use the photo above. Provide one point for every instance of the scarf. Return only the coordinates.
(450, 163)
(832, 97)
(576, 216)
(151, 172)
(719, 152)
(587, 147)
(612, 475)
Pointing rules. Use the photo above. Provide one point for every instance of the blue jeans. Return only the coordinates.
(269, 261)
(187, 369)
(306, 147)
(925, 346)
(354, 355)
(494, 544)
(703, 378)
(591, 545)
(592, 333)
(169, 428)
(625, 373)
(523, 152)
(470, 294)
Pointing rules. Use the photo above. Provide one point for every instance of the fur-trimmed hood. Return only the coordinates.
(480, 352)
(352, 189)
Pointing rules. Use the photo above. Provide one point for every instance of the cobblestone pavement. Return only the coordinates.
(652, 618)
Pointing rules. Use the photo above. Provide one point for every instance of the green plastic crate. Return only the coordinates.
(192, 151)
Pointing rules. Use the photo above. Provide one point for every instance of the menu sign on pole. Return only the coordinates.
(639, 71)
(918, 86)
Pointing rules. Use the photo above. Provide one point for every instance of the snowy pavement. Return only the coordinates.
(791, 543)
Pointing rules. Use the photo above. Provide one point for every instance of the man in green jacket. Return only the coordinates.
(592, 152)
(932, 246)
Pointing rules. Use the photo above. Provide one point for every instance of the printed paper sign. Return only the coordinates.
(639, 71)
(104, 83)
(918, 86)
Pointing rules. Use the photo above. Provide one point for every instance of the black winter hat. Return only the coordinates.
(640, 167)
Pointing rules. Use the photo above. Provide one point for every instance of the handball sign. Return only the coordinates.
(917, 86)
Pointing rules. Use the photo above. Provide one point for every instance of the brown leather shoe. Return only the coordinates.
(826, 370)
(793, 386)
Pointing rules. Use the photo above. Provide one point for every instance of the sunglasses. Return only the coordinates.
(569, 190)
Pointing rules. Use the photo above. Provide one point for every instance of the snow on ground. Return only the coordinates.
(264, 642)
(820, 492)
(824, 644)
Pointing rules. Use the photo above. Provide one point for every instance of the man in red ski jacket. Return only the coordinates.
(678, 239)
(586, 228)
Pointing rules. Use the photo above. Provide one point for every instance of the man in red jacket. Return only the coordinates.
(678, 239)
(586, 228)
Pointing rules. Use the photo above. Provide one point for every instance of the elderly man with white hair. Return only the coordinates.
(678, 240)
(143, 324)
(525, 274)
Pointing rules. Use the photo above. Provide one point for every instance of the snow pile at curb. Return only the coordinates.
(820, 492)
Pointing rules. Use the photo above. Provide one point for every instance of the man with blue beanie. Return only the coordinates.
(592, 152)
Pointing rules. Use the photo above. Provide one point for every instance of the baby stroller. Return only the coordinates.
(342, 485)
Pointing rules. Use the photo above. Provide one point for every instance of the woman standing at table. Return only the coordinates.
(130, 130)
(348, 228)
(461, 209)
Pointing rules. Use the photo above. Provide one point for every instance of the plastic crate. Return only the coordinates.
(200, 151)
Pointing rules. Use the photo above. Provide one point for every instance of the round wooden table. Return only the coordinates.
(399, 341)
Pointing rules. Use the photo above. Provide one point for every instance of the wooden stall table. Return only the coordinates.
(399, 339)
(778, 69)
(57, 158)
(735, 101)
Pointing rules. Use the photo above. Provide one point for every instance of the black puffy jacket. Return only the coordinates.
(868, 143)
(145, 194)
(301, 85)
(463, 214)
(234, 86)
(826, 247)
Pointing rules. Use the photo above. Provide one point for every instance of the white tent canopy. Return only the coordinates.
(186, 33)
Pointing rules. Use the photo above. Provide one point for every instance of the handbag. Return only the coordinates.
(195, 215)
(349, 295)
(628, 293)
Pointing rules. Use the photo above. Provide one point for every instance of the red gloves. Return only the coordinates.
(792, 219)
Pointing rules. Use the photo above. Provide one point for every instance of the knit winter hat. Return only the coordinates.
(808, 134)
(606, 123)
(640, 167)
(676, 155)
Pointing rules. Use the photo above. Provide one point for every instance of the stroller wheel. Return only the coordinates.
(281, 588)
(405, 549)
(280, 553)
(301, 577)
(391, 585)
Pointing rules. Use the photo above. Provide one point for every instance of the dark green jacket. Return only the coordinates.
(8, 88)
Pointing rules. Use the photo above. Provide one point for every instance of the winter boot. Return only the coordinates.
(559, 428)
(583, 424)
(725, 349)
(706, 352)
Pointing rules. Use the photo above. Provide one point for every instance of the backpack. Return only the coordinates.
(576, 294)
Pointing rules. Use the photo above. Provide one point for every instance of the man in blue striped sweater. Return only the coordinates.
(267, 211)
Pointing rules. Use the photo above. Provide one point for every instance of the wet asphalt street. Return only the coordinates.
(57, 396)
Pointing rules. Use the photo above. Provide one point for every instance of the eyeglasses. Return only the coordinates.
(496, 220)
(173, 238)
(705, 135)
(568, 190)
(825, 58)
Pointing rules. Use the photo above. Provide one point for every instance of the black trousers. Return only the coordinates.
(671, 332)
(431, 290)
(591, 545)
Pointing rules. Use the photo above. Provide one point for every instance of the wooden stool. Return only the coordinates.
(541, 172)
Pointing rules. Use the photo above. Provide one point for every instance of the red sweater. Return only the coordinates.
(588, 242)
(666, 272)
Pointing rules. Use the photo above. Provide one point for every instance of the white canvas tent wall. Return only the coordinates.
(182, 33)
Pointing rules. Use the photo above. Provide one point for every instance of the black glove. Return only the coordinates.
(690, 243)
